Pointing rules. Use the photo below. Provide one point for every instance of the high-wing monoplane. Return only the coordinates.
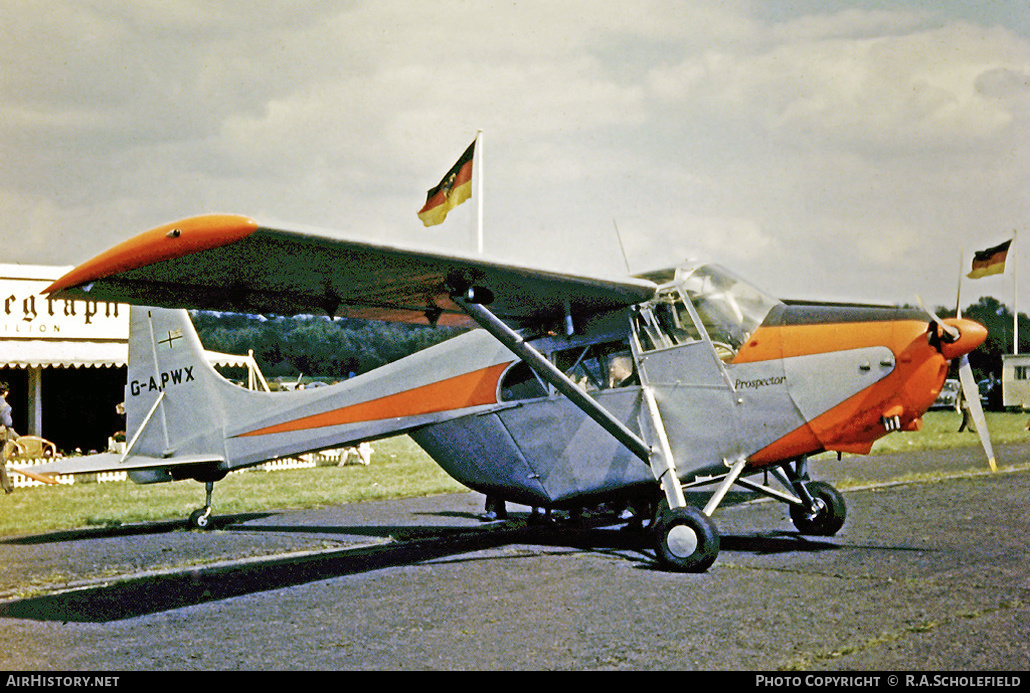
(570, 391)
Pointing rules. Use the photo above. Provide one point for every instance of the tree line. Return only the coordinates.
(314, 346)
(997, 318)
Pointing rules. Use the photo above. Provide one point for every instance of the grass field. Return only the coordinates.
(940, 430)
(399, 468)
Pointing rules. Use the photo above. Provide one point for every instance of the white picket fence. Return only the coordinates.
(325, 458)
(20, 481)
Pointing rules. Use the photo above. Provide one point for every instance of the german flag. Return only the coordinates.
(990, 261)
(455, 188)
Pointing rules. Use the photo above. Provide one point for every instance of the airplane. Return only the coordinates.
(567, 392)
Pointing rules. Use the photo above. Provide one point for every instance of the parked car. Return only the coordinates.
(948, 399)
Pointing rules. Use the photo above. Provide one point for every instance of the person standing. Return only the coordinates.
(6, 433)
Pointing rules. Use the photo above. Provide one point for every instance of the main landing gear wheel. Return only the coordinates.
(686, 540)
(828, 516)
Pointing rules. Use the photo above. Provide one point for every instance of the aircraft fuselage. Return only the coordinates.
(809, 378)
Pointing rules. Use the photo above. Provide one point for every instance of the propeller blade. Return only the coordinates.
(969, 389)
(972, 395)
(951, 331)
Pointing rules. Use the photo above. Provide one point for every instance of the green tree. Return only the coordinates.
(314, 346)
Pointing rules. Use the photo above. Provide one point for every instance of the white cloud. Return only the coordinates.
(891, 91)
(696, 125)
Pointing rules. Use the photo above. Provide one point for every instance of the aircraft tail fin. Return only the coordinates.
(175, 402)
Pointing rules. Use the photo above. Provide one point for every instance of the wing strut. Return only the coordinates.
(561, 382)
(659, 460)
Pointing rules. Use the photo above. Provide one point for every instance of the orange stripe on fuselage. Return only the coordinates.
(854, 424)
(467, 390)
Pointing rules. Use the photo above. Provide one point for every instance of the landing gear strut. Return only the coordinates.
(201, 518)
(686, 539)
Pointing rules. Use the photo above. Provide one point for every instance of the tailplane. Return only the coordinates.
(175, 407)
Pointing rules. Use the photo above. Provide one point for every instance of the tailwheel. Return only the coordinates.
(827, 514)
(686, 540)
(201, 518)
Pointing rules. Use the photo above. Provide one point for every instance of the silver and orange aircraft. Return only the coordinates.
(576, 391)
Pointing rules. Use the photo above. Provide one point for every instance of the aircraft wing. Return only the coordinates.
(232, 263)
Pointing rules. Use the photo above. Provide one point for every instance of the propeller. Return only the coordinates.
(971, 393)
(945, 328)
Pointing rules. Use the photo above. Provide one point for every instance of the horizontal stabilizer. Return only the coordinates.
(112, 462)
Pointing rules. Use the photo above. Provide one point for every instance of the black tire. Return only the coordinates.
(686, 540)
(830, 516)
(200, 519)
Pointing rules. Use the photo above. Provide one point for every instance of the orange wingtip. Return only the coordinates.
(163, 243)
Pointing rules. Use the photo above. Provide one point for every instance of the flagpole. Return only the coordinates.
(958, 294)
(479, 193)
(1015, 308)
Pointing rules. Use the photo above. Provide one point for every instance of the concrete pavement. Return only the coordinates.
(929, 575)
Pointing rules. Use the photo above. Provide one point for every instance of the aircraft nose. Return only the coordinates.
(970, 336)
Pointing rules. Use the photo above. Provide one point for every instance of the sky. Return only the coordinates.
(823, 150)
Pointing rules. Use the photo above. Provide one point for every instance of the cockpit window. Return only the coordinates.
(520, 382)
(729, 309)
(592, 367)
(598, 366)
(666, 322)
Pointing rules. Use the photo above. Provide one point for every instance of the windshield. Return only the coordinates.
(730, 308)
